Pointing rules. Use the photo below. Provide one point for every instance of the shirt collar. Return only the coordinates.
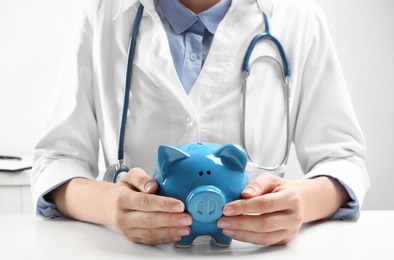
(180, 18)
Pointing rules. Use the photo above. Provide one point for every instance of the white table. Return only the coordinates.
(24, 236)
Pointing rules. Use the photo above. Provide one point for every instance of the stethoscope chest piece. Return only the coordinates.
(115, 172)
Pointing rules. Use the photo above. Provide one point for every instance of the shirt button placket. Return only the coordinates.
(194, 54)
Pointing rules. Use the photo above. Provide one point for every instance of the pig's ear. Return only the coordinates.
(166, 155)
(233, 156)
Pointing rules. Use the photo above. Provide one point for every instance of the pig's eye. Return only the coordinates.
(209, 172)
(200, 173)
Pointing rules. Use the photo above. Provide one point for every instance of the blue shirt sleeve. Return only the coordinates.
(47, 209)
(349, 211)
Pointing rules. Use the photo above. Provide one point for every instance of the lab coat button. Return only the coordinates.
(193, 56)
(189, 122)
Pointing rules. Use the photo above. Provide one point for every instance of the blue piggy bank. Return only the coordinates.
(205, 177)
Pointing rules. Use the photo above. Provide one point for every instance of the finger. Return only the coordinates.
(264, 183)
(280, 237)
(139, 180)
(163, 241)
(268, 203)
(156, 236)
(261, 224)
(154, 227)
(150, 202)
(152, 220)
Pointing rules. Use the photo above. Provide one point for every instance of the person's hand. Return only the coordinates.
(268, 214)
(143, 217)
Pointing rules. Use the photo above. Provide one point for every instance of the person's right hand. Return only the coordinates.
(143, 217)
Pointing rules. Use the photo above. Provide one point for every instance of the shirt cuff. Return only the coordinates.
(50, 174)
(47, 209)
(349, 211)
(352, 175)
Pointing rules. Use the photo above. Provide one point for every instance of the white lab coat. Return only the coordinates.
(90, 94)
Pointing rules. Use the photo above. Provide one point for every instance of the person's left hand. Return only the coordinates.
(268, 214)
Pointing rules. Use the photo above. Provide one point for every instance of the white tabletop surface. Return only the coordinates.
(30, 237)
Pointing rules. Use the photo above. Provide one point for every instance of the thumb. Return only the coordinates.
(139, 180)
(264, 183)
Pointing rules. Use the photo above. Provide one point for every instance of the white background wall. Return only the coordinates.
(33, 35)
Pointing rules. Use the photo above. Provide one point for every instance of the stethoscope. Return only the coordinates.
(116, 171)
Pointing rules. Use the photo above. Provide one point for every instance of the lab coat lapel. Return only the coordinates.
(223, 62)
(155, 60)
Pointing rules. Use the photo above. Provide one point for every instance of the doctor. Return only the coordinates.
(186, 87)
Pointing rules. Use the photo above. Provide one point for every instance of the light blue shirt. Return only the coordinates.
(189, 36)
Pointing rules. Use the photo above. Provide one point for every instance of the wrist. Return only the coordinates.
(83, 199)
(320, 197)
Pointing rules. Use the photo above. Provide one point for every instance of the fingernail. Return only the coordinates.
(185, 221)
(178, 207)
(176, 239)
(223, 224)
(249, 190)
(229, 233)
(229, 210)
(183, 232)
(149, 185)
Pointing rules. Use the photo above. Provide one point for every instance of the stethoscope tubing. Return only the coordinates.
(131, 50)
(267, 36)
(286, 93)
(286, 73)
